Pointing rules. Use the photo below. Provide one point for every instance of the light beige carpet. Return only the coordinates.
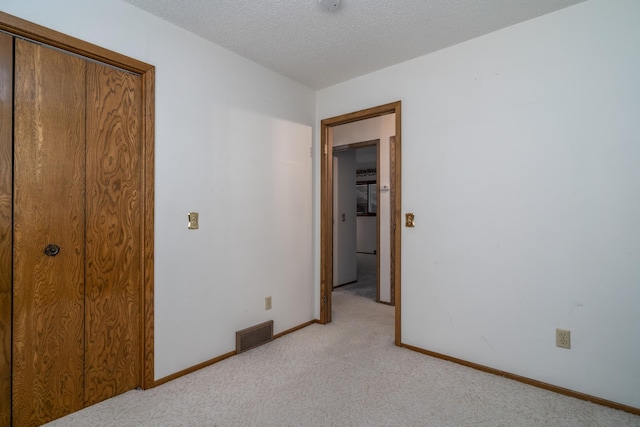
(347, 373)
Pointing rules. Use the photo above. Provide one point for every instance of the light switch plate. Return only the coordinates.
(193, 221)
(410, 220)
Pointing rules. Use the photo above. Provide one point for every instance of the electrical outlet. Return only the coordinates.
(563, 338)
(267, 303)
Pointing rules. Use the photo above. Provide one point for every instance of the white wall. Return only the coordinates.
(521, 161)
(233, 143)
(345, 261)
(367, 233)
(381, 128)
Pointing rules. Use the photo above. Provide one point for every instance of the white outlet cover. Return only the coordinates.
(563, 338)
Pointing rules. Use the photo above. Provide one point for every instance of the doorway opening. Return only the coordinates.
(328, 128)
(356, 233)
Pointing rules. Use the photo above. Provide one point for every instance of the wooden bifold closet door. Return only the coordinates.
(77, 233)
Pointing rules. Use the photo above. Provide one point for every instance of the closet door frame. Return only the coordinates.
(25, 29)
(6, 224)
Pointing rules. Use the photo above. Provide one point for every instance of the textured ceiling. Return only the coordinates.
(296, 38)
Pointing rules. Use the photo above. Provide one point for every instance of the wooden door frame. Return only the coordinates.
(326, 207)
(6, 224)
(25, 29)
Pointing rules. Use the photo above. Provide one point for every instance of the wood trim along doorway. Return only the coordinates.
(326, 207)
(23, 29)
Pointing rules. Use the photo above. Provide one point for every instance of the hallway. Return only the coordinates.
(366, 284)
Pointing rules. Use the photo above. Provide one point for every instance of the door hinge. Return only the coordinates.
(324, 299)
(325, 149)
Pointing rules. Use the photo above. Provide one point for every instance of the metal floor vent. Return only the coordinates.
(254, 336)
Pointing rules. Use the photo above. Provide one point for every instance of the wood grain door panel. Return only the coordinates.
(6, 212)
(49, 180)
(83, 320)
(113, 233)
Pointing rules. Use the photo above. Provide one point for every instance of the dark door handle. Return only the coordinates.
(51, 250)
